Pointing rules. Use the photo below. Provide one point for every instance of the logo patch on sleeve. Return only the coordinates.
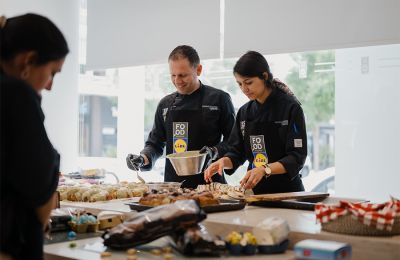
(298, 143)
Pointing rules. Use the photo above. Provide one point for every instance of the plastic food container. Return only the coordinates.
(159, 186)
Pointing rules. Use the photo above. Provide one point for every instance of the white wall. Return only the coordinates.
(61, 104)
(144, 32)
(368, 122)
(283, 26)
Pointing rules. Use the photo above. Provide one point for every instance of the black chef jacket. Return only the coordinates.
(282, 111)
(29, 169)
(218, 116)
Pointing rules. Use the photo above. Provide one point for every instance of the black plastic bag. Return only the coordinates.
(197, 241)
(154, 223)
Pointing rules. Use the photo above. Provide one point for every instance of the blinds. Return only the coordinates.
(135, 32)
(283, 26)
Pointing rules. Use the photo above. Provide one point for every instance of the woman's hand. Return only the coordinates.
(217, 167)
(43, 212)
(252, 177)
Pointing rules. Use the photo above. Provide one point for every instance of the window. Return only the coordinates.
(310, 75)
(98, 126)
(348, 96)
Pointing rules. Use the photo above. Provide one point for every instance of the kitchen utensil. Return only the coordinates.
(137, 171)
(187, 163)
(139, 177)
(285, 196)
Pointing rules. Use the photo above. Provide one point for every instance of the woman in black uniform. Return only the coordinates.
(32, 51)
(269, 132)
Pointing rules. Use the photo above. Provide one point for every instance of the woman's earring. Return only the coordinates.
(24, 74)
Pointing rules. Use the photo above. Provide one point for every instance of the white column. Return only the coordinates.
(130, 117)
(367, 122)
(61, 104)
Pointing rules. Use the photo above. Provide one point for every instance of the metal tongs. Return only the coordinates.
(137, 172)
(139, 177)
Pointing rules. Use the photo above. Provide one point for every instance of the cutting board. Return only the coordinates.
(286, 196)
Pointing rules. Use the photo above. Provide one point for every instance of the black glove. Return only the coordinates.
(134, 161)
(212, 152)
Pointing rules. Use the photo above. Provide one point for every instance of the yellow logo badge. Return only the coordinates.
(180, 146)
(260, 159)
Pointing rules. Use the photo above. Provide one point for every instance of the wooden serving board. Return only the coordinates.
(286, 196)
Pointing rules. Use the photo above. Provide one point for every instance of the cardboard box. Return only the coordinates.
(110, 219)
(110, 222)
(322, 250)
(84, 228)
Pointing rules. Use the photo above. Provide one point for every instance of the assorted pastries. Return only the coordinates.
(157, 198)
(208, 194)
(223, 191)
(101, 192)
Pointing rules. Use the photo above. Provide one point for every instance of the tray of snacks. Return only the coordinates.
(101, 192)
(207, 201)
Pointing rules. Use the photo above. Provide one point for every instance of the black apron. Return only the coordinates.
(190, 134)
(263, 144)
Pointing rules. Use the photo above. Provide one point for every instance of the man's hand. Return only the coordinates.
(134, 161)
(212, 152)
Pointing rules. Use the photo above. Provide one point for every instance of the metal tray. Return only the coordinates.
(224, 205)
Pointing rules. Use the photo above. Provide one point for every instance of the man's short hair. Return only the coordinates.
(185, 51)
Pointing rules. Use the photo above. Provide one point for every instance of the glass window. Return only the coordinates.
(311, 77)
(346, 95)
(98, 126)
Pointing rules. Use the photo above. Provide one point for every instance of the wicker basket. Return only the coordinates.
(350, 226)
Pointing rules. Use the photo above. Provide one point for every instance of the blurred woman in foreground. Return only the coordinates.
(33, 50)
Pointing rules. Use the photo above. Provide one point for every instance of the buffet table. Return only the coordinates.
(62, 251)
(302, 225)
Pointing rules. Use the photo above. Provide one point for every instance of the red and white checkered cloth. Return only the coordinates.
(380, 216)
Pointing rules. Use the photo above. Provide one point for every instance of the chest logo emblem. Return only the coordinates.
(257, 145)
(180, 136)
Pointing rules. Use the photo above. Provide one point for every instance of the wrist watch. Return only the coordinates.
(267, 170)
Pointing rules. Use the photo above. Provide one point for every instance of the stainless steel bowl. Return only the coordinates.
(187, 163)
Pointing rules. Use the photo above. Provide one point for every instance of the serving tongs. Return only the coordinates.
(137, 172)
(140, 177)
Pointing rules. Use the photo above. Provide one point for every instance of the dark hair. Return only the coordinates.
(32, 32)
(253, 64)
(185, 51)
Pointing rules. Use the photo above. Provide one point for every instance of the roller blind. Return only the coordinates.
(283, 26)
(138, 32)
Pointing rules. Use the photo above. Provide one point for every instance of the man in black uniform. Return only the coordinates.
(194, 117)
